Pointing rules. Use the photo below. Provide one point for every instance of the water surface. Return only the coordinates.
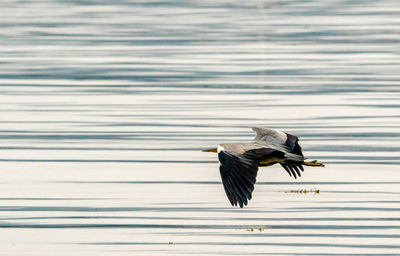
(105, 107)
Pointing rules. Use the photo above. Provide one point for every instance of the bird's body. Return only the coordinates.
(239, 162)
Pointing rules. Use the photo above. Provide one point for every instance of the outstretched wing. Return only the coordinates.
(278, 138)
(238, 173)
(287, 143)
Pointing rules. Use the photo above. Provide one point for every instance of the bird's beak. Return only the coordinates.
(210, 150)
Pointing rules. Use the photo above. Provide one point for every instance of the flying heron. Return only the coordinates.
(239, 162)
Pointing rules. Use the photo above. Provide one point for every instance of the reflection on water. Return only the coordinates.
(105, 107)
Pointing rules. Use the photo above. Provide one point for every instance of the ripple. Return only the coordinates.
(105, 107)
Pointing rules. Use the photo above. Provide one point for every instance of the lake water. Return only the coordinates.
(106, 105)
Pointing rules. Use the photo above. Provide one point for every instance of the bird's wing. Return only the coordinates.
(292, 163)
(292, 142)
(288, 142)
(270, 136)
(293, 168)
(238, 173)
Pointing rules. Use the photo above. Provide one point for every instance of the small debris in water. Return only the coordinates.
(259, 229)
(304, 191)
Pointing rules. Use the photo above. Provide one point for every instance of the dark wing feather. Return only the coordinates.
(263, 153)
(292, 167)
(238, 173)
(292, 142)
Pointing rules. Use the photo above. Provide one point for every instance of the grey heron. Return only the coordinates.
(239, 162)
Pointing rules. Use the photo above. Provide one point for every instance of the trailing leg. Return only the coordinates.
(313, 163)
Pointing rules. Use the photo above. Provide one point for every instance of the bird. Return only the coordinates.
(239, 162)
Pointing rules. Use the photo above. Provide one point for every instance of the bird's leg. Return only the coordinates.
(313, 163)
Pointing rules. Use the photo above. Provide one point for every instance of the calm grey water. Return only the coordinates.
(105, 106)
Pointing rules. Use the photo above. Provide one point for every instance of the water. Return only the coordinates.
(105, 107)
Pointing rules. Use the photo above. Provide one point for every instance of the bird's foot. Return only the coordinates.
(313, 163)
